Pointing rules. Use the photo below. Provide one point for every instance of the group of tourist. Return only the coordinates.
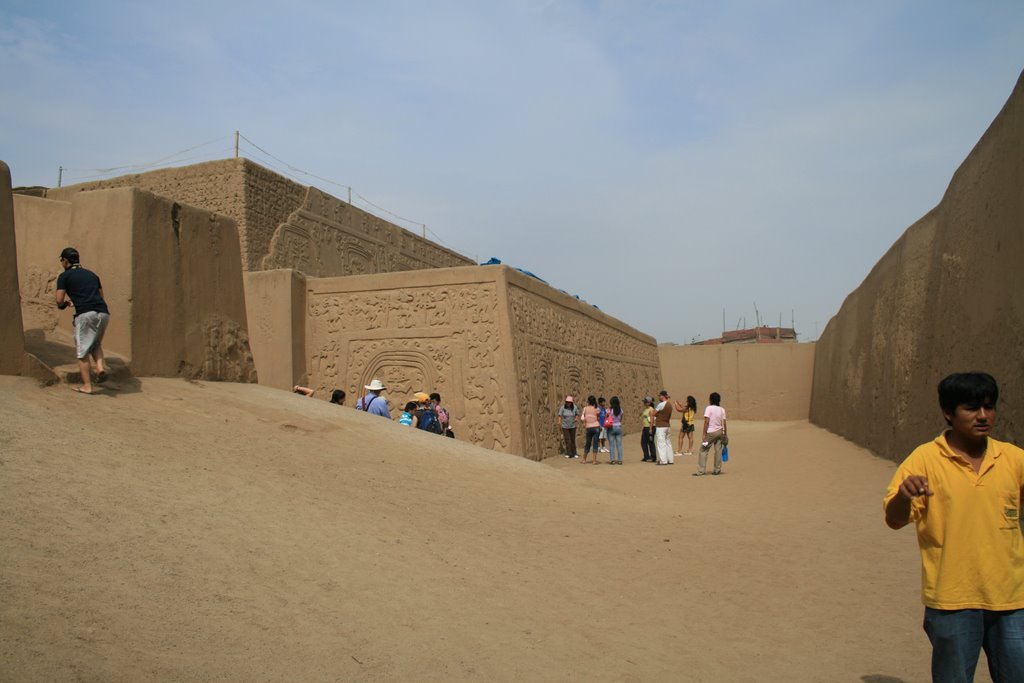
(603, 423)
(424, 411)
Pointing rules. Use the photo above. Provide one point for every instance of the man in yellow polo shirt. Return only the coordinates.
(963, 493)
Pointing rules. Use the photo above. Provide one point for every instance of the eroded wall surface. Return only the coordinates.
(562, 346)
(756, 381)
(283, 224)
(171, 276)
(947, 297)
(12, 336)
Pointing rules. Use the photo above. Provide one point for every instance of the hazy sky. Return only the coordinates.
(664, 160)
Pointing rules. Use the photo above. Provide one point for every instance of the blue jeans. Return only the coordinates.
(614, 442)
(958, 636)
(592, 434)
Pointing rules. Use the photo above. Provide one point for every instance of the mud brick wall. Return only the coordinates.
(947, 297)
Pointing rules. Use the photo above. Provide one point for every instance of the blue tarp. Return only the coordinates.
(497, 262)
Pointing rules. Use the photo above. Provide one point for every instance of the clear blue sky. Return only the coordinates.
(665, 161)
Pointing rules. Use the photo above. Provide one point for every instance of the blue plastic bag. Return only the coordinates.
(725, 454)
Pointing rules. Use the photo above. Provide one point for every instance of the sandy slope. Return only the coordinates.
(182, 531)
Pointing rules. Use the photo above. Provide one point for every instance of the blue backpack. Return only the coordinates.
(429, 422)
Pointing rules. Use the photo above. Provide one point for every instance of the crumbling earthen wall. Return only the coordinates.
(501, 348)
(947, 297)
(12, 335)
(283, 224)
(171, 275)
(756, 381)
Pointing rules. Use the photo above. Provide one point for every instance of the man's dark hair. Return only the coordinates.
(410, 407)
(70, 254)
(967, 388)
(435, 397)
(338, 396)
(715, 399)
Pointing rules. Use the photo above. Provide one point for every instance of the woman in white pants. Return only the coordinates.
(662, 435)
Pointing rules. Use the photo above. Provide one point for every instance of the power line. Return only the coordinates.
(289, 170)
(113, 169)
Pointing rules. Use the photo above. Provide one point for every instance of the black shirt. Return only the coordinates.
(83, 287)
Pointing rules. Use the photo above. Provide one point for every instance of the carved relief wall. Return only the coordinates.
(327, 237)
(434, 330)
(563, 346)
(284, 224)
(501, 348)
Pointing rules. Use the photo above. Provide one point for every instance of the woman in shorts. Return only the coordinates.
(688, 413)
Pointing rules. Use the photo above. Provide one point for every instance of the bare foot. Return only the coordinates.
(83, 390)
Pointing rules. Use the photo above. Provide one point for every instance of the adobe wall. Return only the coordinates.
(12, 335)
(946, 297)
(171, 275)
(99, 225)
(767, 382)
(283, 224)
(275, 304)
(561, 346)
(502, 349)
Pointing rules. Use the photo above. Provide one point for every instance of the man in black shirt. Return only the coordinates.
(81, 288)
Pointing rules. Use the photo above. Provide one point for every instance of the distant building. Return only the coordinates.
(755, 335)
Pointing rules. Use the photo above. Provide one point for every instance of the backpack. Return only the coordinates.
(429, 422)
(442, 415)
(609, 419)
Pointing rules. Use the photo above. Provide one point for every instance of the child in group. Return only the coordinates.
(602, 412)
(408, 417)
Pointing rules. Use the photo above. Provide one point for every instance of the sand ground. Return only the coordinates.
(174, 531)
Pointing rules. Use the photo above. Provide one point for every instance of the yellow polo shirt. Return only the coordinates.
(972, 549)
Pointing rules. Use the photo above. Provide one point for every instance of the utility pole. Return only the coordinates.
(236, 144)
(60, 175)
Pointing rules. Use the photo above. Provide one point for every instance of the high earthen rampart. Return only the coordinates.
(947, 297)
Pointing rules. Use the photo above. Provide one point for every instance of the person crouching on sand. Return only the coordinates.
(82, 288)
